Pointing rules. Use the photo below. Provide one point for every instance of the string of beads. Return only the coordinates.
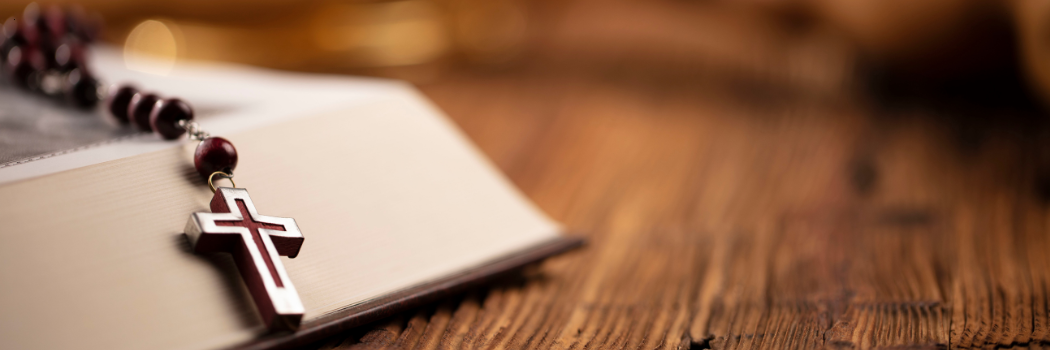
(44, 52)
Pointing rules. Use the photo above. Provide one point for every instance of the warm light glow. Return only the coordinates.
(151, 47)
(384, 34)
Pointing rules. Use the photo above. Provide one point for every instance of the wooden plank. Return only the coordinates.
(421, 295)
(717, 224)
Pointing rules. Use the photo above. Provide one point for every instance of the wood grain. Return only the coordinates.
(732, 223)
(367, 312)
(732, 202)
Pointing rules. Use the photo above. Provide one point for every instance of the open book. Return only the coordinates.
(396, 206)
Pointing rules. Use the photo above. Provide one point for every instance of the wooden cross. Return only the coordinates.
(256, 243)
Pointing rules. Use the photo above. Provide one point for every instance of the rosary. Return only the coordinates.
(44, 53)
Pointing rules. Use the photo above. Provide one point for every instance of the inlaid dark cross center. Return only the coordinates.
(256, 243)
(254, 227)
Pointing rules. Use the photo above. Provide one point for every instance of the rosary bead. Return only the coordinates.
(13, 32)
(11, 38)
(33, 26)
(55, 19)
(82, 89)
(20, 64)
(166, 115)
(69, 55)
(16, 69)
(75, 19)
(82, 25)
(215, 154)
(118, 101)
(139, 110)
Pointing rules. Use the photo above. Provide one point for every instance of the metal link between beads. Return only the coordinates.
(193, 130)
(222, 175)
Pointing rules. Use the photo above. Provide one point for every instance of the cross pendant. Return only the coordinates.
(256, 243)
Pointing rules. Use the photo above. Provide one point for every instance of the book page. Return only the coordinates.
(388, 193)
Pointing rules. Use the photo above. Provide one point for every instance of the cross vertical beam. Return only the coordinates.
(256, 243)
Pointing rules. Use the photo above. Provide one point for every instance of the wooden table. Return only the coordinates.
(723, 221)
(734, 198)
(732, 206)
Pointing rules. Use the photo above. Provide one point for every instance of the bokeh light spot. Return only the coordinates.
(151, 48)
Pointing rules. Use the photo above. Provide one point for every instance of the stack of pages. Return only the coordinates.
(397, 208)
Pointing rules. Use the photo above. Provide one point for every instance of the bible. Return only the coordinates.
(395, 207)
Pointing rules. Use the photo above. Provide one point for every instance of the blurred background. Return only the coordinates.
(673, 133)
(969, 79)
(991, 50)
(968, 65)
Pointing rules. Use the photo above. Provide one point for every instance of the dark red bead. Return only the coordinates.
(5, 49)
(55, 19)
(90, 27)
(34, 27)
(215, 154)
(29, 34)
(81, 89)
(69, 55)
(16, 69)
(21, 63)
(118, 101)
(11, 38)
(140, 108)
(13, 31)
(75, 19)
(166, 116)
